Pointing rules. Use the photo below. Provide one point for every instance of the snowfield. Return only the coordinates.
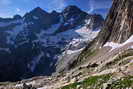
(117, 45)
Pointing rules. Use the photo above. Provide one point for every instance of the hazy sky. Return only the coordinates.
(9, 8)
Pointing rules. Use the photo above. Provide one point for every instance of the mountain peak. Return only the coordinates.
(38, 10)
(17, 16)
(71, 8)
(73, 11)
(54, 12)
(37, 13)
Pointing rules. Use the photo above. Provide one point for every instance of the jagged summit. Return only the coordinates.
(39, 10)
(16, 17)
(54, 13)
(72, 11)
(71, 8)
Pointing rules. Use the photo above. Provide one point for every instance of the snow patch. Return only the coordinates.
(21, 85)
(117, 45)
(5, 49)
(113, 45)
(87, 34)
(23, 42)
(131, 47)
(14, 32)
(35, 17)
(76, 37)
(88, 21)
(43, 87)
(35, 61)
(131, 61)
(129, 40)
(74, 51)
(47, 54)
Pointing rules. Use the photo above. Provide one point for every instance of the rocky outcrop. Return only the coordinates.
(119, 23)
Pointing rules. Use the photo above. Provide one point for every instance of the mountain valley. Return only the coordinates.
(68, 50)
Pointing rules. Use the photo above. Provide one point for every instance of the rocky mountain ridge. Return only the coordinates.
(33, 44)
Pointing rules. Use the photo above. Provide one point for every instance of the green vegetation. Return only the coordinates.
(71, 86)
(125, 82)
(6, 83)
(97, 82)
(89, 83)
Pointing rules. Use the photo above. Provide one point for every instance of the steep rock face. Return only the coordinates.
(31, 45)
(119, 23)
(123, 24)
(117, 28)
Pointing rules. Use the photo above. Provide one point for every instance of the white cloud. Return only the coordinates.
(5, 15)
(18, 10)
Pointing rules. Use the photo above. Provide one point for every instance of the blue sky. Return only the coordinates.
(8, 8)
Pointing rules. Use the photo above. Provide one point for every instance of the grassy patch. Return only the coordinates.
(97, 82)
(89, 82)
(71, 86)
(125, 82)
(4, 83)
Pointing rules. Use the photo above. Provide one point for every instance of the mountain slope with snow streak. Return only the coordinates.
(118, 45)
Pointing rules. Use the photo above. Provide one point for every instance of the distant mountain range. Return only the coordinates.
(41, 43)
